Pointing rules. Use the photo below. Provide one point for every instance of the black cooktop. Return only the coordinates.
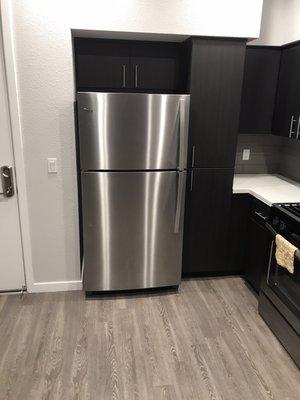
(290, 209)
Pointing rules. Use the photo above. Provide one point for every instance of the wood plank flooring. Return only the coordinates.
(206, 341)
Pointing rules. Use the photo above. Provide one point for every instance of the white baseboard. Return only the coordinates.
(57, 286)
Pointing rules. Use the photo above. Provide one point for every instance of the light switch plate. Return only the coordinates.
(246, 154)
(52, 165)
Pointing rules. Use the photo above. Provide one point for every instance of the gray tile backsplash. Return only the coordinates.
(264, 154)
(289, 162)
(269, 154)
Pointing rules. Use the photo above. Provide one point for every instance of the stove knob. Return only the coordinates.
(275, 221)
(282, 226)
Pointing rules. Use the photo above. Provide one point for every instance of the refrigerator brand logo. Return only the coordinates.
(87, 109)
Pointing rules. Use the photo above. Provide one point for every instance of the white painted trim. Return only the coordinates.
(14, 105)
(59, 286)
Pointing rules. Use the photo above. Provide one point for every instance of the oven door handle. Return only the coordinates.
(272, 230)
(270, 261)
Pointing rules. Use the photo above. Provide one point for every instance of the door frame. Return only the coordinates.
(17, 139)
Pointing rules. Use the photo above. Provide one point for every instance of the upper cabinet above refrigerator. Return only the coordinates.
(104, 66)
(157, 66)
(135, 66)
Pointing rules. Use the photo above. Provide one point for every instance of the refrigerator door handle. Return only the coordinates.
(182, 135)
(180, 188)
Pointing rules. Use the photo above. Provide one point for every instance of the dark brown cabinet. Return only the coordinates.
(287, 110)
(238, 233)
(207, 218)
(116, 65)
(157, 66)
(259, 89)
(101, 64)
(216, 73)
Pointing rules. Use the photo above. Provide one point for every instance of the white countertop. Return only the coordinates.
(269, 189)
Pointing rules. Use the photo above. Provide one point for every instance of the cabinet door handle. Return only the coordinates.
(291, 126)
(124, 75)
(193, 155)
(135, 76)
(192, 181)
(260, 215)
(298, 128)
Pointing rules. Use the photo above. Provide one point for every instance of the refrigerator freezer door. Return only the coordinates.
(132, 236)
(132, 131)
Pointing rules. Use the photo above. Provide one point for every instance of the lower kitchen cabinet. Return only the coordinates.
(224, 234)
(238, 233)
(207, 217)
(258, 244)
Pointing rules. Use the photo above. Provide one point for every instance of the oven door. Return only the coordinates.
(282, 287)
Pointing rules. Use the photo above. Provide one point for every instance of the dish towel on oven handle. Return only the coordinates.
(285, 253)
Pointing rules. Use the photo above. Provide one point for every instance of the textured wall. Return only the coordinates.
(42, 37)
(280, 23)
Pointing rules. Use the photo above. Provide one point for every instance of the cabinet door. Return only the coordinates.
(287, 109)
(206, 221)
(238, 232)
(157, 67)
(101, 65)
(259, 89)
(215, 86)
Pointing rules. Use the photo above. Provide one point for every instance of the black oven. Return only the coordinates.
(279, 301)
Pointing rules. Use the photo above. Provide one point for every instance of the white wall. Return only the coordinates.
(280, 23)
(42, 40)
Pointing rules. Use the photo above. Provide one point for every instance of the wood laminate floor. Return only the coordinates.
(206, 341)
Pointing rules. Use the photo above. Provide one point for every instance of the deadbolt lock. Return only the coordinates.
(6, 173)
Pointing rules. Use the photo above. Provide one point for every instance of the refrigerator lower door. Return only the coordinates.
(132, 229)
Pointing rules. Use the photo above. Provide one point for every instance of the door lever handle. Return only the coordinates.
(7, 181)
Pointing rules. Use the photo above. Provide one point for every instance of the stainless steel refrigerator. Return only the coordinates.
(133, 149)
